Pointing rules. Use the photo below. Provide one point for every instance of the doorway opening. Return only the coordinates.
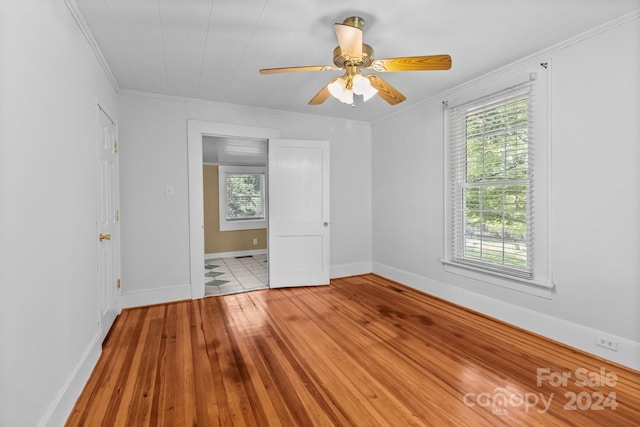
(197, 132)
(235, 214)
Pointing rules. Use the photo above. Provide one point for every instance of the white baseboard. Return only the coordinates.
(339, 270)
(183, 292)
(572, 334)
(351, 269)
(61, 407)
(155, 296)
(235, 254)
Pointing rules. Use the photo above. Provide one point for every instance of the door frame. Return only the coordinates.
(196, 129)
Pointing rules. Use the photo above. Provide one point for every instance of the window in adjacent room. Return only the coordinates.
(245, 196)
(242, 197)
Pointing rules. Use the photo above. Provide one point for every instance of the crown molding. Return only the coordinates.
(253, 107)
(88, 35)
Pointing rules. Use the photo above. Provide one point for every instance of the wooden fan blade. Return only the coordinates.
(294, 69)
(385, 90)
(413, 63)
(349, 39)
(322, 95)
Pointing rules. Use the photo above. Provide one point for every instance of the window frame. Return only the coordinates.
(244, 223)
(540, 281)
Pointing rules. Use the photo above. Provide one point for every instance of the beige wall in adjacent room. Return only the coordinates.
(216, 241)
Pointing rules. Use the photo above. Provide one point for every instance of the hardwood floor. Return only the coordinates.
(363, 351)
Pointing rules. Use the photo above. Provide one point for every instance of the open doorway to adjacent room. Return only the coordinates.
(235, 214)
(297, 199)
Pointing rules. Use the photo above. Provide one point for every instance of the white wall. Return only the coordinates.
(155, 228)
(48, 286)
(595, 238)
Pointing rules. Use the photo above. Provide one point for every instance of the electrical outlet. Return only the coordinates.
(607, 343)
(255, 242)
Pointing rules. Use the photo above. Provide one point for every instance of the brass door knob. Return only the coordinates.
(104, 237)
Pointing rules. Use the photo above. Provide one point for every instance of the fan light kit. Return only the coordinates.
(353, 56)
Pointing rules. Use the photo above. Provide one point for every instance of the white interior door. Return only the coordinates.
(298, 177)
(108, 215)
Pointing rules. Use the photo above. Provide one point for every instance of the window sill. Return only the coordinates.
(246, 224)
(543, 289)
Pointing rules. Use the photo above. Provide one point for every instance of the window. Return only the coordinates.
(245, 196)
(491, 182)
(242, 197)
(498, 173)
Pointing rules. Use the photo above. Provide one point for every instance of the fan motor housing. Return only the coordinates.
(367, 57)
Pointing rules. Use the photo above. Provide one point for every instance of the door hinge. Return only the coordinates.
(118, 215)
(115, 147)
(118, 283)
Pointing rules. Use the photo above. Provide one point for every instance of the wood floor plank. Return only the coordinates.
(159, 416)
(133, 408)
(343, 375)
(183, 388)
(363, 351)
(258, 378)
(306, 403)
(382, 360)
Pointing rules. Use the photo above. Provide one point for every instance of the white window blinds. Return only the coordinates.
(491, 172)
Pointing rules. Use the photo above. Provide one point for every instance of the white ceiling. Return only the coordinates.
(213, 49)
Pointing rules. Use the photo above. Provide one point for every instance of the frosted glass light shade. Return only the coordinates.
(369, 93)
(338, 89)
(347, 97)
(362, 86)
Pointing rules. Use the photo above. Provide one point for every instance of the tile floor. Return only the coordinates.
(231, 275)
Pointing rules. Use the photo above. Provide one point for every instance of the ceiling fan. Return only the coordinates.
(353, 56)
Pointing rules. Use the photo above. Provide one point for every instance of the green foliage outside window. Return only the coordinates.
(245, 196)
(496, 188)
